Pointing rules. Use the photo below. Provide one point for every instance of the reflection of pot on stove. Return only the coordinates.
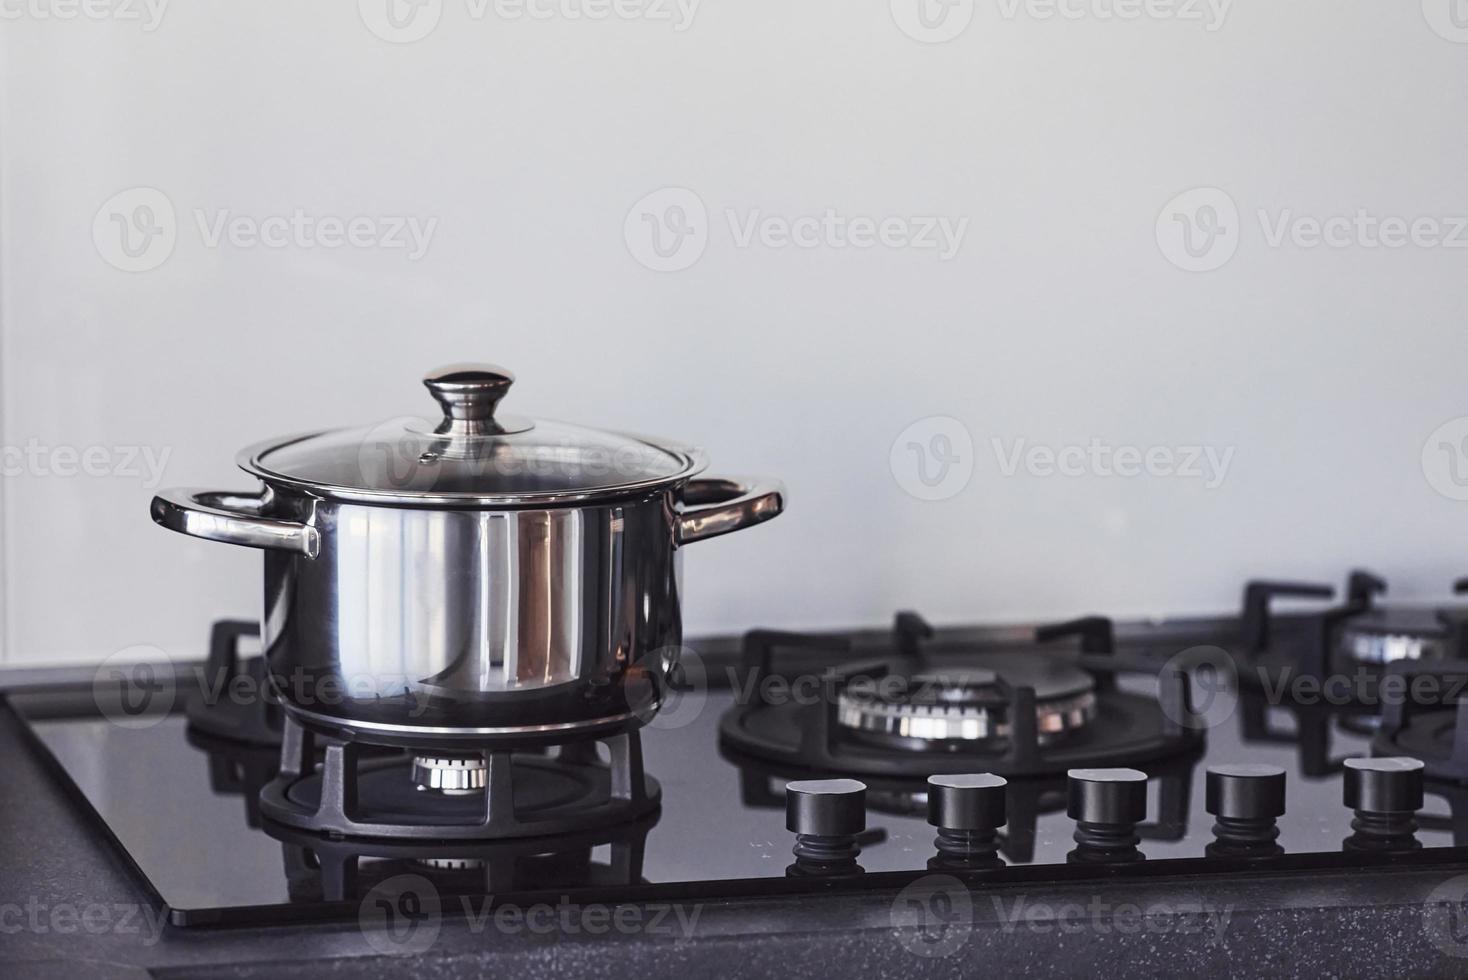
(321, 869)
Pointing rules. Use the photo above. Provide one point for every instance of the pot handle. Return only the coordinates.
(233, 518)
(719, 506)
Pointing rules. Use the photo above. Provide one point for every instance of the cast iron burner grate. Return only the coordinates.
(1429, 720)
(347, 792)
(235, 701)
(1349, 646)
(1090, 721)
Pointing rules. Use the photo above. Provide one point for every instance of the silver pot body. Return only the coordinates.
(426, 625)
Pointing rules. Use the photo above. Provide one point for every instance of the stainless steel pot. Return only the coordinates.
(475, 578)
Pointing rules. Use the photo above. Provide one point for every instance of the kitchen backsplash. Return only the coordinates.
(995, 338)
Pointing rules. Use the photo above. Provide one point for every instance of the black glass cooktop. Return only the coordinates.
(182, 805)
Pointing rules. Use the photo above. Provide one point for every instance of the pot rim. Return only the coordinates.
(248, 459)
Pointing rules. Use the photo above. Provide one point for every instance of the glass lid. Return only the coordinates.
(470, 454)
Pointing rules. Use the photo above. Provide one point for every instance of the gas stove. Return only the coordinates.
(790, 763)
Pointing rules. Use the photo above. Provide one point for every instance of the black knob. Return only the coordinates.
(1386, 795)
(968, 811)
(1107, 805)
(826, 815)
(1247, 800)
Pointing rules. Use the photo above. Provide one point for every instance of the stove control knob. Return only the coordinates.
(1386, 795)
(826, 816)
(968, 811)
(1107, 805)
(1246, 800)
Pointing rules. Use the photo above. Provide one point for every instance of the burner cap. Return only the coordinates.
(451, 775)
(969, 701)
(1390, 634)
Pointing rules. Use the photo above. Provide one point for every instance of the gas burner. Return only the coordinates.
(1430, 723)
(968, 704)
(1009, 712)
(494, 794)
(1383, 636)
(450, 775)
(321, 869)
(1345, 649)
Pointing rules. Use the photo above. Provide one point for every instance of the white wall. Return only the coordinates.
(1059, 320)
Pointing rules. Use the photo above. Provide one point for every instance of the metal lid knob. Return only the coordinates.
(1383, 785)
(1246, 792)
(1107, 796)
(469, 392)
(826, 807)
(966, 802)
